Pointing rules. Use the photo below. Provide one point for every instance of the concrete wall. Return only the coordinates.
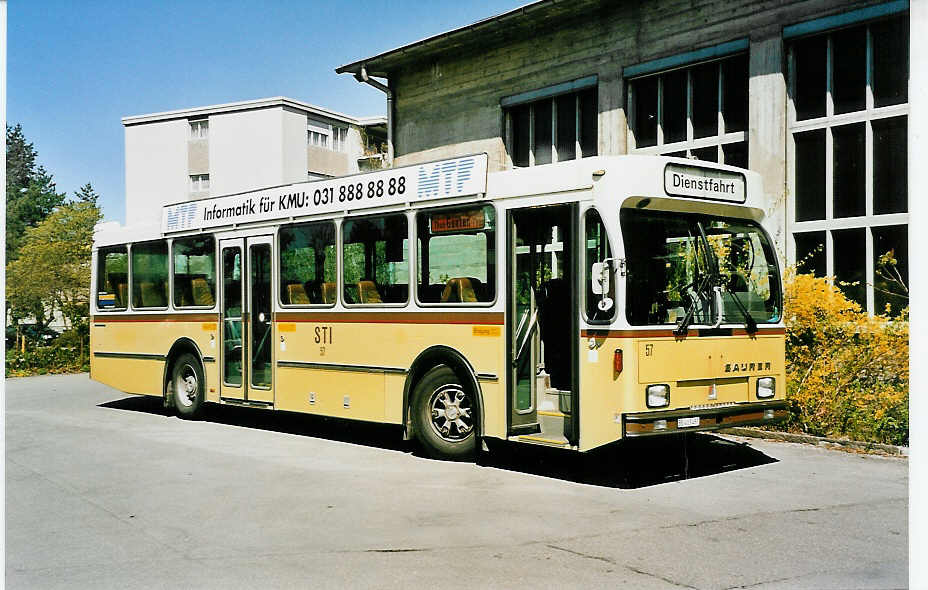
(198, 156)
(293, 165)
(450, 105)
(326, 162)
(246, 150)
(156, 168)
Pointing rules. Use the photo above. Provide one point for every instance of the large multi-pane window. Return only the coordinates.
(698, 111)
(848, 122)
(324, 135)
(555, 128)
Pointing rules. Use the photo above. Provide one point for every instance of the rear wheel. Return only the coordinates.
(444, 415)
(188, 386)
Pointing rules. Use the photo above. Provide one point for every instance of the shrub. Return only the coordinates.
(45, 360)
(847, 371)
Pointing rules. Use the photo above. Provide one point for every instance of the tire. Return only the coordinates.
(188, 386)
(438, 394)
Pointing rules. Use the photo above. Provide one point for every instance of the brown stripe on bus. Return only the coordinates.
(157, 317)
(398, 317)
(594, 333)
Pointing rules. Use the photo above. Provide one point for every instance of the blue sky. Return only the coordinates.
(76, 68)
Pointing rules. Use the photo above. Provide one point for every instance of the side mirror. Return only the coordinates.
(599, 277)
(600, 281)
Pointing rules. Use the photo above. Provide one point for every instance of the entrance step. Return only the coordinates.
(548, 441)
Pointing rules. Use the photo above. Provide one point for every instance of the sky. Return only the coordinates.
(76, 68)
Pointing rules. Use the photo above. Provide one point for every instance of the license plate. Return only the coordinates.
(687, 422)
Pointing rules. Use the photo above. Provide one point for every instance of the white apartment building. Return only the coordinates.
(230, 148)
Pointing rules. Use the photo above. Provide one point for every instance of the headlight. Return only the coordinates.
(658, 396)
(766, 387)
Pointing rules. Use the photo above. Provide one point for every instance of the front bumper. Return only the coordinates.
(703, 418)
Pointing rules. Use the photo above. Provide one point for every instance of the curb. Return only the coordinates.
(834, 443)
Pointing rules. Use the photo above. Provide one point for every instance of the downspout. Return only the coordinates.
(364, 78)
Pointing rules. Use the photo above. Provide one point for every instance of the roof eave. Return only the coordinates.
(379, 65)
(275, 101)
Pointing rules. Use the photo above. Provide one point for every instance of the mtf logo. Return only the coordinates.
(444, 179)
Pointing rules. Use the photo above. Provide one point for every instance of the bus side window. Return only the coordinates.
(194, 272)
(596, 249)
(457, 255)
(375, 255)
(307, 264)
(150, 275)
(112, 278)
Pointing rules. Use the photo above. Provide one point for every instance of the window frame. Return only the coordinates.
(339, 139)
(415, 255)
(338, 263)
(584, 270)
(410, 220)
(198, 129)
(691, 143)
(98, 275)
(196, 183)
(531, 99)
(172, 283)
(828, 123)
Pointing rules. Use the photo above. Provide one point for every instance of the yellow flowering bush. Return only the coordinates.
(847, 371)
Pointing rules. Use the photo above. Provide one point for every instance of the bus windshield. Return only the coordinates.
(667, 262)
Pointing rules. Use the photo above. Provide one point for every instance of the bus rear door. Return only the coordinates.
(247, 324)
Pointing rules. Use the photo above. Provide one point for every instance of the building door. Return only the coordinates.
(247, 326)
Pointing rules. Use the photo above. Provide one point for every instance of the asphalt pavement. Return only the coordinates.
(107, 490)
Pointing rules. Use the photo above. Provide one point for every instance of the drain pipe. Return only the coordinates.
(364, 78)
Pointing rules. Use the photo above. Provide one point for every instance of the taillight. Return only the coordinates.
(617, 361)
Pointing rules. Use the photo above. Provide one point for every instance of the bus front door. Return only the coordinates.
(247, 326)
(543, 325)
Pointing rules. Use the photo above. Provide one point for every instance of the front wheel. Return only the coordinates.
(188, 386)
(444, 415)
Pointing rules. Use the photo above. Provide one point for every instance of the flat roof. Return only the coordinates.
(246, 105)
(516, 22)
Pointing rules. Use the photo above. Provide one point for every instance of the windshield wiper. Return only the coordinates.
(683, 325)
(705, 283)
(749, 323)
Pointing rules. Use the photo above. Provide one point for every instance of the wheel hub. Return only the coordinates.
(450, 408)
(452, 412)
(185, 385)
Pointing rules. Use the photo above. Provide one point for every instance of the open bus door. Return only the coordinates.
(543, 392)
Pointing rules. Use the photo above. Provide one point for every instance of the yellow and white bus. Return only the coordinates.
(568, 305)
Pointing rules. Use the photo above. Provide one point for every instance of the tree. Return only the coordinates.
(52, 270)
(86, 194)
(30, 191)
(20, 159)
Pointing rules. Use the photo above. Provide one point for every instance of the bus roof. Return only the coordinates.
(702, 184)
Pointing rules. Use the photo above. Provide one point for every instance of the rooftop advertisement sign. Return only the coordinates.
(410, 184)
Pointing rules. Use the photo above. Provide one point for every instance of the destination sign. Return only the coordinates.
(704, 183)
(409, 184)
(458, 221)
